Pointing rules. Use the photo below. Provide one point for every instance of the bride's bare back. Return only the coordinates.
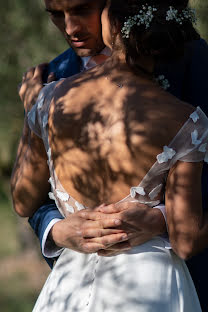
(105, 137)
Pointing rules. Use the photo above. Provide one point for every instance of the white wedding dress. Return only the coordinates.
(148, 278)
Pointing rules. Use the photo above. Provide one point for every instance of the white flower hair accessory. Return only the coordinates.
(144, 17)
(180, 17)
(163, 82)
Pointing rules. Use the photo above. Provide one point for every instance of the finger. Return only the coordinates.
(38, 73)
(114, 208)
(29, 74)
(91, 247)
(95, 215)
(109, 240)
(23, 77)
(109, 223)
(22, 91)
(101, 224)
(98, 208)
(108, 209)
(51, 77)
(93, 233)
(90, 215)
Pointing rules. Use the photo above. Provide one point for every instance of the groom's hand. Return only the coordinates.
(32, 83)
(87, 231)
(140, 222)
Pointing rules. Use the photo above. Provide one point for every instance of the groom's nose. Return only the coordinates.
(72, 25)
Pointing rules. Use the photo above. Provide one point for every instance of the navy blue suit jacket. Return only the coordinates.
(188, 79)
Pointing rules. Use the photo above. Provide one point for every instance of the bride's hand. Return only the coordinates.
(140, 222)
(87, 232)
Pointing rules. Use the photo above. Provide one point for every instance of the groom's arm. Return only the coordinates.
(41, 222)
(64, 65)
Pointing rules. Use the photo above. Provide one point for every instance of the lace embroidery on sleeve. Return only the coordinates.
(190, 144)
(167, 154)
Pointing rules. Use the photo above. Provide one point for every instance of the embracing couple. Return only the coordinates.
(123, 157)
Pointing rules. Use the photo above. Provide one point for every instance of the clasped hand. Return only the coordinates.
(108, 229)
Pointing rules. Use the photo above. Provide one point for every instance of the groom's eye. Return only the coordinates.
(55, 14)
(82, 10)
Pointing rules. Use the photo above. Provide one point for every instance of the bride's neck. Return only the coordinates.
(117, 62)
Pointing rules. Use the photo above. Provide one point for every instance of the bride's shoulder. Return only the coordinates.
(169, 115)
(73, 88)
(178, 111)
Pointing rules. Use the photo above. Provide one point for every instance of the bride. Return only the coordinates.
(113, 134)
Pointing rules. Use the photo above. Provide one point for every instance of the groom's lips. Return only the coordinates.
(80, 42)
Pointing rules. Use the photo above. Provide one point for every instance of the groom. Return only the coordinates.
(79, 21)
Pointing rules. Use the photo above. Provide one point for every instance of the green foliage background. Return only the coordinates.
(27, 38)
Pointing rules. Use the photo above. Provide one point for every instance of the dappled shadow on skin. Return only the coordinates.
(184, 190)
(25, 181)
(104, 139)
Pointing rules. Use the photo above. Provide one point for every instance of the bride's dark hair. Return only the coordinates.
(163, 40)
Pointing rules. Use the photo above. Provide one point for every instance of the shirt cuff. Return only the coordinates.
(165, 237)
(49, 248)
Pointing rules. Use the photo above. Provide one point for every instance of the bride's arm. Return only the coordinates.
(188, 227)
(29, 181)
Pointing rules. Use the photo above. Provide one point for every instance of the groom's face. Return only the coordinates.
(80, 22)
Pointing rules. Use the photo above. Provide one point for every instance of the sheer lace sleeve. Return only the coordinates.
(191, 142)
(189, 145)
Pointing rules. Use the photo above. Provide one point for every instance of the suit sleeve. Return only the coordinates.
(40, 221)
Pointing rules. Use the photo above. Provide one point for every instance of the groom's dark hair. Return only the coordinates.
(164, 40)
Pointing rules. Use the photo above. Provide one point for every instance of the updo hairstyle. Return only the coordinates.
(163, 40)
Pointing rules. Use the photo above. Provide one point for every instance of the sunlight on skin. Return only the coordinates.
(97, 157)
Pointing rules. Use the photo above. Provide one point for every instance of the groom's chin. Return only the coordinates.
(83, 52)
(88, 51)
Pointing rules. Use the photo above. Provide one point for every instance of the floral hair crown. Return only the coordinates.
(146, 15)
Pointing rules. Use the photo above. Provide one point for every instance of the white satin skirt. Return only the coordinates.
(148, 278)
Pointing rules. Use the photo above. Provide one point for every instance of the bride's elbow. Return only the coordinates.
(21, 210)
(25, 202)
(20, 204)
(185, 248)
(184, 253)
